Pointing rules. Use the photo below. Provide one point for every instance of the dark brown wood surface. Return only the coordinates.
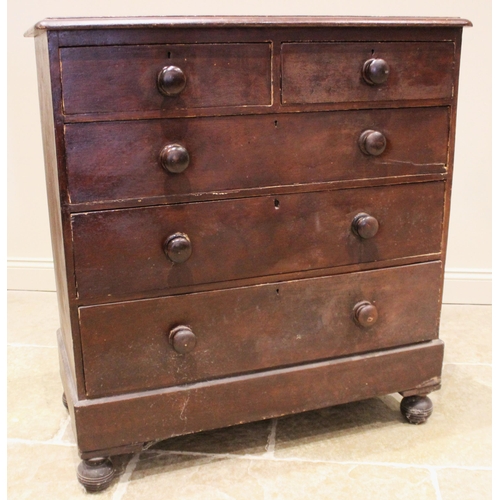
(332, 72)
(126, 345)
(142, 417)
(124, 78)
(269, 196)
(121, 160)
(99, 23)
(120, 252)
(53, 148)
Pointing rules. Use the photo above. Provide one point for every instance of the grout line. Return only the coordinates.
(31, 290)
(62, 429)
(271, 440)
(435, 482)
(125, 478)
(265, 457)
(462, 467)
(15, 344)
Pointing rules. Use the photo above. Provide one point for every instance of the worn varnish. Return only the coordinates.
(122, 158)
(330, 72)
(125, 78)
(248, 215)
(273, 393)
(259, 236)
(300, 320)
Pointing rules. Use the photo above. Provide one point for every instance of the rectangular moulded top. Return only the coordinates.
(79, 23)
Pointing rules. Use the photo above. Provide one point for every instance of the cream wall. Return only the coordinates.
(468, 269)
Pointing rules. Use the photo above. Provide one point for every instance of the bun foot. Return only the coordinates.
(65, 401)
(416, 409)
(95, 474)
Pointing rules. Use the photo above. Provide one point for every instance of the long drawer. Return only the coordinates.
(123, 160)
(127, 251)
(334, 72)
(125, 78)
(131, 346)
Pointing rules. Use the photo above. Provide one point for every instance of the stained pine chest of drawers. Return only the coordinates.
(248, 216)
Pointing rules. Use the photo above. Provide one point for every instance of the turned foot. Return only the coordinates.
(95, 474)
(65, 401)
(416, 409)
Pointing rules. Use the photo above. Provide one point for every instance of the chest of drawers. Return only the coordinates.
(248, 217)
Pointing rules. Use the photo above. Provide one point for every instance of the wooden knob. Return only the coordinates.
(372, 142)
(365, 314)
(171, 81)
(365, 226)
(174, 158)
(182, 339)
(178, 247)
(375, 71)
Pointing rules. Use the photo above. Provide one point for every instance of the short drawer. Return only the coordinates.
(122, 252)
(340, 72)
(124, 160)
(133, 346)
(110, 79)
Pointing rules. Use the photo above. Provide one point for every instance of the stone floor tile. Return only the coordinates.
(32, 318)
(210, 478)
(243, 439)
(458, 432)
(67, 436)
(34, 471)
(466, 331)
(34, 390)
(460, 484)
(44, 471)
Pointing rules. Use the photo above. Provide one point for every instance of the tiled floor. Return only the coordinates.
(361, 450)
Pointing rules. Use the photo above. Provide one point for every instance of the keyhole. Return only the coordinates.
(276, 204)
(169, 55)
(276, 123)
(277, 291)
(373, 51)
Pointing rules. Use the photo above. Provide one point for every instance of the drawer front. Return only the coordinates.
(333, 72)
(124, 78)
(122, 160)
(122, 252)
(129, 346)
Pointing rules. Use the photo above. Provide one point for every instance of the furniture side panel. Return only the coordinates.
(53, 147)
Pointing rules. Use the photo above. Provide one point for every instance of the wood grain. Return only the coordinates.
(332, 72)
(126, 345)
(240, 21)
(121, 160)
(259, 236)
(277, 306)
(124, 78)
(110, 422)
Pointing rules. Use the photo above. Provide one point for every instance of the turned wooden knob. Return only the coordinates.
(365, 314)
(365, 226)
(174, 158)
(182, 339)
(372, 142)
(171, 81)
(177, 247)
(375, 71)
